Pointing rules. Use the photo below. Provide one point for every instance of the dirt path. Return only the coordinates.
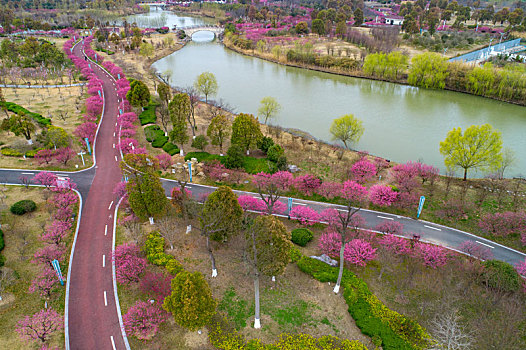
(93, 322)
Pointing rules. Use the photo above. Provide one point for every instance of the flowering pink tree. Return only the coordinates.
(127, 145)
(120, 190)
(271, 187)
(57, 232)
(432, 256)
(128, 132)
(503, 224)
(87, 129)
(45, 179)
(44, 156)
(358, 252)
(304, 215)
(307, 184)
(165, 160)
(521, 268)
(251, 203)
(94, 105)
(476, 250)
(330, 190)
(156, 285)
(330, 243)
(65, 199)
(47, 254)
(390, 227)
(40, 326)
(382, 195)
(397, 245)
(143, 319)
(405, 176)
(63, 155)
(127, 117)
(363, 170)
(128, 263)
(45, 282)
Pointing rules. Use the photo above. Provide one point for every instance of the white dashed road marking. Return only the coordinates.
(487, 245)
(384, 217)
(433, 228)
(105, 299)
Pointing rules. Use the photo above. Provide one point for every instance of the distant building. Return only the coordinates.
(394, 20)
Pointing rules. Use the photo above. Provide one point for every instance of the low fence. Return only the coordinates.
(485, 52)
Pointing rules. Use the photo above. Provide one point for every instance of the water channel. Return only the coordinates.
(401, 123)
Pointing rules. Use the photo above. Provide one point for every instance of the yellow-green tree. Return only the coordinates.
(428, 70)
(269, 108)
(139, 94)
(206, 84)
(218, 131)
(246, 131)
(479, 147)
(179, 109)
(191, 302)
(347, 129)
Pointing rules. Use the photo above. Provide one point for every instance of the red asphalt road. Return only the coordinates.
(93, 321)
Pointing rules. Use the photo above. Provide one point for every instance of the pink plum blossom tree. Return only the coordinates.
(87, 129)
(63, 155)
(503, 224)
(47, 254)
(358, 252)
(432, 256)
(128, 263)
(143, 320)
(40, 326)
(330, 190)
(46, 179)
(165, 160)
(390, 227)
(57, 232)
(363, 170)
(304, 215)
(397, 245)
(476, 250)
(382, 195)
(271, 187)
(306, 184)
(45, 282)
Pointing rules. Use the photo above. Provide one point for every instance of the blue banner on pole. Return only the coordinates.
(289, 205)
(99, 93)
(190, 170)
(56, 266)
(120, 111)
(420, 206)
(87, 144)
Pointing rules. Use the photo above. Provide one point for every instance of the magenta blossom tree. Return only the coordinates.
(128, 263)
(63, 155)
(390, 227)
(87, 129)
(503, 224)
(94, 105)
(358, 252)
(165, 160)
(40, 326)
(330, 190)
(156, 285)
(120, 190)
(476, 250)
(521, 268)
(307, 184)
(64, 199)
(382, 195)
(128, 145)
(397, 245)
(129, 117)
(250, 203)
(45, 282)
(45, 179)
(363, 171)
(44, 156)
(432, 256)
(305, 215)
(47, 254)
(143, 319)
(57, 232)
(271, 187)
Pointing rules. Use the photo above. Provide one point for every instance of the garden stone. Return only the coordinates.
(326, 259)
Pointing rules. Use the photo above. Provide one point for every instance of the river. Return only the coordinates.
(401, 122)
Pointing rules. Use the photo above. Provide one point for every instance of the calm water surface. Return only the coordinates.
(401, 123)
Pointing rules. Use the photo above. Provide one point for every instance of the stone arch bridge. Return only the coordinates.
(189, 31)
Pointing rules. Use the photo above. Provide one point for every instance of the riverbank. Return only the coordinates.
(403, 80)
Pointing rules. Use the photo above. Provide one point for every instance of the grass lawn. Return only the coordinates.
(22, 235)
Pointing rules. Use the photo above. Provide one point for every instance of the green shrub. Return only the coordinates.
(234, 157)
(301, 236)
(501, 276)
(23, 206)
(274, 152)
(295, 254)
(31, 153)
(202, 156)
(174, 267)
(2, 243)
(13, 107)
(152, 132)
(148, 115)
(10, 152)
(160, 141)
(282, 163)
(265, 143)
(200, 142)
(170, 148)
(2, 260)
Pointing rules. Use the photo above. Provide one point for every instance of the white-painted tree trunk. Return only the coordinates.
(181, 153)
(151, 220)
(273, 278)
(29, 142)
(336, 289)
(188, 229)
(214, 272)
(257, 323)
(248, 152)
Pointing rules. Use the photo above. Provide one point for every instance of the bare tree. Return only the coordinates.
(168, 227)
(194, 101)
(134, 230)
(449, 332)
(7, 277)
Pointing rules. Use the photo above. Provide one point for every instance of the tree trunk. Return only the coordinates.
(465, 174)
(212, 259)
(340, 273)
(257, 321)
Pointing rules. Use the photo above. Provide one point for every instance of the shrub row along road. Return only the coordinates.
(92, 317)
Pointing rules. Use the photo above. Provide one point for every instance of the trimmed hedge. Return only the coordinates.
(10, 152)
(154, 249)
(202, 156)
(372, 317)
(160, 141)
(170, 148)
(148, 115)
(152, 132)
(33, 152)
(23, 206)
(301, 236)
(13, 107)
(501, 276)
(250, 164)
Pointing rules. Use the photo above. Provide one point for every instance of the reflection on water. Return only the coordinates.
(158, 17)
(401, 122)
(203, 37)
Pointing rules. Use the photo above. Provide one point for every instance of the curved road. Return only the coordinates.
(91, 312)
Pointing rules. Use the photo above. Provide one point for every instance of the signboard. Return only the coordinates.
(420, 206)
(56, 266)
(289, 205)
(87, 144)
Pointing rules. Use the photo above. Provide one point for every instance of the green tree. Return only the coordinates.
(145, 192)
(318, 26)
(302, 28)
(57, 137)
(179, 109)
(347, 129)
(164, 93)
(206, 84)
(138, 95)
(268, 245)
(478, 148)
(220, 219)
(21, 124)
(246, 131)
(2, 101)
(375, 64)
(191, 302)
(269, 108)
(358, 17)
(341, 28)
(218, 131)
(428, 70)
(146, 50)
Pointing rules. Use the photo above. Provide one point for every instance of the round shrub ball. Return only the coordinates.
(501, 276)
(23, 206)
(301, 236)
